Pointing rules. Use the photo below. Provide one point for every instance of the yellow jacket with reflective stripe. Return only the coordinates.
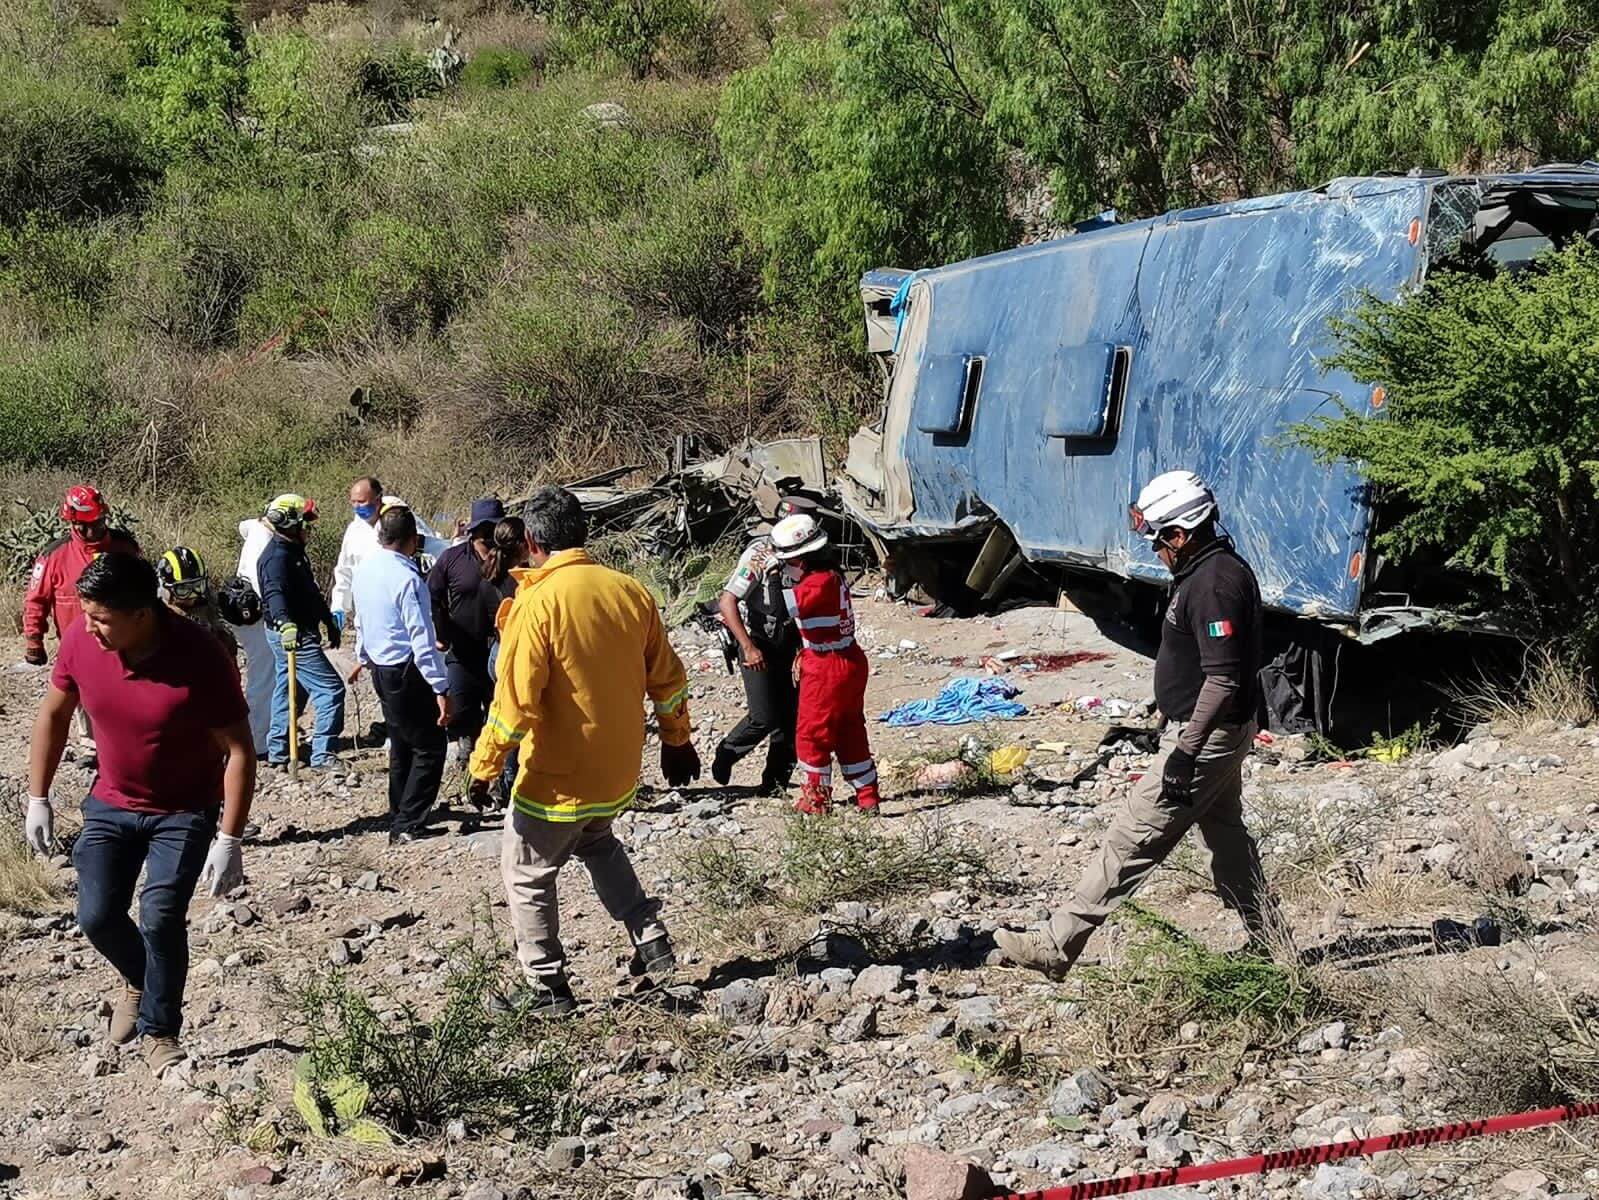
(581, 647)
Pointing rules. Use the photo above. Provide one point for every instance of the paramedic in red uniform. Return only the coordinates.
(831, 669)
(52, 588)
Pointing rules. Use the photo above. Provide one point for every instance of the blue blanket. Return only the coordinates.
(962, 700)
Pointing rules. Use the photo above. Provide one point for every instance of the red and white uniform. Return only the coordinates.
(53, 587)
(832, 690)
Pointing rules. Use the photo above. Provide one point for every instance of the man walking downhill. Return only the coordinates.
(580, 650)
(1206, 687)
(294, 610)
(395, 638)
(464, 604)
(176, 775)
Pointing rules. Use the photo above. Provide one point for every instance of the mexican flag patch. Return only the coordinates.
(1220, 629)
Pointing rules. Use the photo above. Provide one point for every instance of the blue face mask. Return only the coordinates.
(365, 511)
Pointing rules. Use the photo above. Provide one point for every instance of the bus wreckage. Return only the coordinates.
(1028, 394)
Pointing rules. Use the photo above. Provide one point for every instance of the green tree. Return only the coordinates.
(836, 169)
(1489, 451)
(186, 70)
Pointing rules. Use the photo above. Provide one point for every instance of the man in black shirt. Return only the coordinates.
(464, 603)
(1206, 687)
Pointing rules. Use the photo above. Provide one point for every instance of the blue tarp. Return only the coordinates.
(962, 700)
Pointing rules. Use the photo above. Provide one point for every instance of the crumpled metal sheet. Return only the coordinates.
(701, 498)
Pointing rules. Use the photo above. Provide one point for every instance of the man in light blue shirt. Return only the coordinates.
(396, 641)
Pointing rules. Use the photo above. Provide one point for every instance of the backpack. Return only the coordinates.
(238, 602)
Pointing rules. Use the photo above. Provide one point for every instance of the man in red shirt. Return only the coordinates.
(175, 758)
(52, 593)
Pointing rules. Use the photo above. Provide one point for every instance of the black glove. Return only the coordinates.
(34, 656)
(333, 634)
(1177, 776)
(680, 764)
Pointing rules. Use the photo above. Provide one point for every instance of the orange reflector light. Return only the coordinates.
(1415, 230)
(1379, 396)
(1354, 565)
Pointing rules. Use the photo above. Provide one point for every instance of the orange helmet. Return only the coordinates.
(83, 505)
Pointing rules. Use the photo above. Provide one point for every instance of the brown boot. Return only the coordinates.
(125, 1015)
(1033, 949)
(161, 1054)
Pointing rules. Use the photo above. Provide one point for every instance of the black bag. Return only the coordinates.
(238, 602)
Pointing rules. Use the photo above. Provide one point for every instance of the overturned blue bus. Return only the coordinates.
(1028, 394)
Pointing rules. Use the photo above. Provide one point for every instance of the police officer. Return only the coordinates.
(752, 609)
(1205, 686)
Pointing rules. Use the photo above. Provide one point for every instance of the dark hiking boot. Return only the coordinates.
(722, 767)
(551, 997)
(654, 958)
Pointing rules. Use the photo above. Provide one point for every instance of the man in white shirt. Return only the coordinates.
(367, 503)
(259, 669)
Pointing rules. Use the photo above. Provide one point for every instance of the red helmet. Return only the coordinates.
(83, 505)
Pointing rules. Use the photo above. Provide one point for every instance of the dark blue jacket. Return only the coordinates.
(288, 589)
(464, 604)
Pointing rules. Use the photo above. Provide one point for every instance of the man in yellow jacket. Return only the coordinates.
(581, 646)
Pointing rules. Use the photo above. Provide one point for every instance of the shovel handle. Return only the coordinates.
(294, 719)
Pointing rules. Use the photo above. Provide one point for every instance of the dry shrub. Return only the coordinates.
(1550, 688)
(25, 886)
(1304, 845)
(25, 1035)
(1492, 863)
(1509, 1041)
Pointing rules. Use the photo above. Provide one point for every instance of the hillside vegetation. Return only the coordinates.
(621, 219)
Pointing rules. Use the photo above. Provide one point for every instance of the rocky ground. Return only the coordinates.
(835, 1005)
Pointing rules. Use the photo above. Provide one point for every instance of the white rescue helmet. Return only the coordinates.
(1177, 499)
(797, 535)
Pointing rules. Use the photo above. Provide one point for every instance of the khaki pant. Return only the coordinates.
(531, 856)
(1147, 827)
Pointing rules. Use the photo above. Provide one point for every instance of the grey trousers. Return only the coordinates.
(532, 854)
(1147, 827)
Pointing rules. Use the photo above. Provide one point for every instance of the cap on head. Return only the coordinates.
(797, 535)
(1175, 499)
(83, 505)
(487, 511)
(290, 511)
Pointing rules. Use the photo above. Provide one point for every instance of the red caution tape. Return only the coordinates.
(1307, 1156)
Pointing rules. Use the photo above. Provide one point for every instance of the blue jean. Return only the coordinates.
(154, 955)
(316, 674)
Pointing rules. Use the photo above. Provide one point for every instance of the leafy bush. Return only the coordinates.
(418, 1074)
(632, 31)
(59, 273)
(301, 90)
(67, 154)
(186, 70)
(390, 79)
(1167, 977)
(1487, 452)
(58, 403)
(496, 67)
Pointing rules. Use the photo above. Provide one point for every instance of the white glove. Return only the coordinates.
(224, 866)
(39, 829)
